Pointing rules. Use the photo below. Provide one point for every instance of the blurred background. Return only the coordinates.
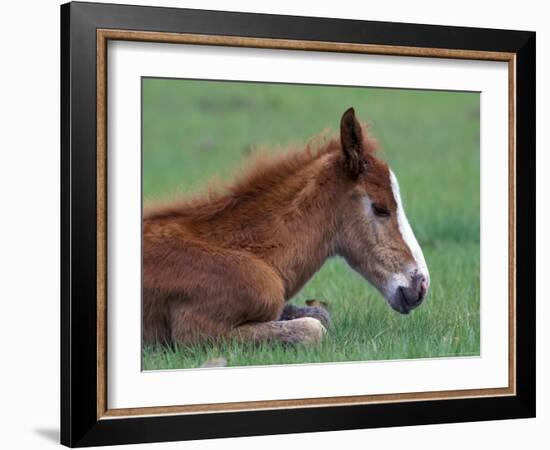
(194, 131)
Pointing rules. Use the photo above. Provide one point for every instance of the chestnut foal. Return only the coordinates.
(224, 266)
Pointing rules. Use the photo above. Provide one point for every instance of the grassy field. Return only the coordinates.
(193, 131)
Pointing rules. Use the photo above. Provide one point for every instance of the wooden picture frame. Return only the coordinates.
(86, 418)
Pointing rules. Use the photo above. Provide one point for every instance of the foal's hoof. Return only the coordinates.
(306, 330)
(319, 313)
(315, 309)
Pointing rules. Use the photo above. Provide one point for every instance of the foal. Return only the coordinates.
(224, 266)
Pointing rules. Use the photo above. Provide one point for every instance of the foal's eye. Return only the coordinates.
(380, 210)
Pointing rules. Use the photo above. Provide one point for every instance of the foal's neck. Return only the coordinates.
(307, 228)
(288, 219)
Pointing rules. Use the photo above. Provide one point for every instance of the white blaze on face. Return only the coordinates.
(407, 232)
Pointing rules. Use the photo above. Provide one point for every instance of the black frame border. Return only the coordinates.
(79, 423)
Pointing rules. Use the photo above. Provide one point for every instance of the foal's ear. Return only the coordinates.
(352, 143)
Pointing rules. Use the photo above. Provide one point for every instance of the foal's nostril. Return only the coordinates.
(421, 285)
(411, 295)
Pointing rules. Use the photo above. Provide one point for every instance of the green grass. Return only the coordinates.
(193, 131)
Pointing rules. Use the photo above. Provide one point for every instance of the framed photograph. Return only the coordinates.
(276, 224)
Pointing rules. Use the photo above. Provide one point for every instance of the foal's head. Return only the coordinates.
(375, 237)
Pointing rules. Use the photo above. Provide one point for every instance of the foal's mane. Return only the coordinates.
(263, 172)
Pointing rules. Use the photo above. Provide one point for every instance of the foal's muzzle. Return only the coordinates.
(406, 298)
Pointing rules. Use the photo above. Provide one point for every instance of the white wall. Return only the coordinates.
(29, 238)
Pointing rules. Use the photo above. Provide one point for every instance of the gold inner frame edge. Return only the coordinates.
(103, 36)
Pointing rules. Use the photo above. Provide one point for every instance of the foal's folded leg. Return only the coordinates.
(295, 312)
(305, 330)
